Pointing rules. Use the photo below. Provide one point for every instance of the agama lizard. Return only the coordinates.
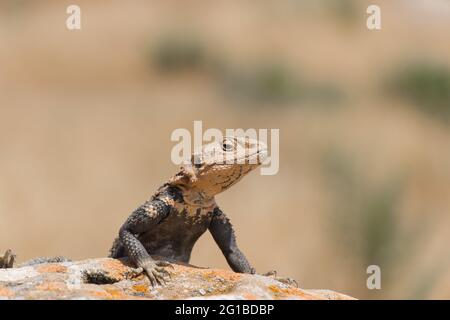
(169, 224)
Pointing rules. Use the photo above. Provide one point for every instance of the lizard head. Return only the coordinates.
(217, 166)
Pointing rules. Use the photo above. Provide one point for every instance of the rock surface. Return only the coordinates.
(114, 279)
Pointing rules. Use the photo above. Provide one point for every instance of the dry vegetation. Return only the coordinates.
(86, 117)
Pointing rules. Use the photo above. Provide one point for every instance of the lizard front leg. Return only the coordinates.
(223, 233)
(142, 220)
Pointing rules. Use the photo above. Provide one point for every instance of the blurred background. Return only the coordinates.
(364, 119)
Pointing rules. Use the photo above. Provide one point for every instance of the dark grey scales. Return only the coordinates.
(169, 224)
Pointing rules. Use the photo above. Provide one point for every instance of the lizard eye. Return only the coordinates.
(227, 146)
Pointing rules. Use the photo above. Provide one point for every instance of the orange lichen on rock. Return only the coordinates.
(115, 293)
(116, 268)
(225, 275)
(101, 295)
(110, 279)
(291, 292)
(4, 292)
(140, 288)
(250, 296)
(51, 268)
(51, 286)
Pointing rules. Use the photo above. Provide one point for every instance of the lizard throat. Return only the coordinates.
(199, 198)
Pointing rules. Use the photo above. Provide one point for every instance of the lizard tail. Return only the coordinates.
(41, 260)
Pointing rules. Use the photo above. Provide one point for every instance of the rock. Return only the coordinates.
(114, 279)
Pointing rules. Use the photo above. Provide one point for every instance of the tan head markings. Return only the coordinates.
(217, 166)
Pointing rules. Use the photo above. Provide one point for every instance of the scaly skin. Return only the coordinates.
(169, 224)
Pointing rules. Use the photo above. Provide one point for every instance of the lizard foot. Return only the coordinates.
(7, 261)
(156, 271)
(288, 281)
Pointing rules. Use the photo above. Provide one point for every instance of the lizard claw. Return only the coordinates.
(288, 281)
(271, 273)
(135, 272)
(156, 272)
(7, 261)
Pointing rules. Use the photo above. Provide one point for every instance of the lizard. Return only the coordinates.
(174, 218)
(182, 209)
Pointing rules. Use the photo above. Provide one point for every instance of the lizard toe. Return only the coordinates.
(286, 280)
(271, 273)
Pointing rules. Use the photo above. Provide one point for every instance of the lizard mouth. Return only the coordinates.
(255, 158)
